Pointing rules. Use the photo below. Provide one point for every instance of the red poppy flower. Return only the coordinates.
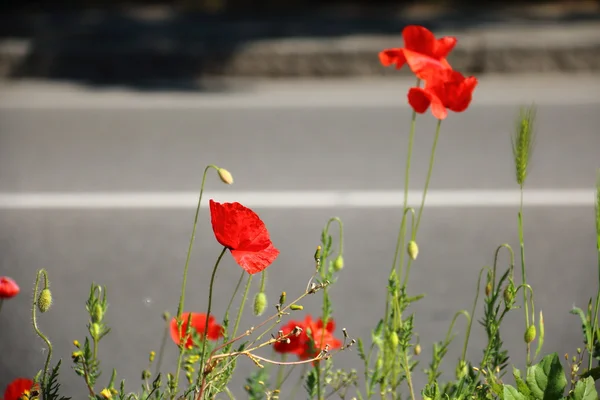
(445, 90)
(321, 336)
(241, 230)
(422, 51)
(296, 344)
(18, 388)
(198, 321)
(8, 288)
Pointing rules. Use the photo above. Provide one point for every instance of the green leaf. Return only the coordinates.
(521, 385)
(584, 390)
(547, 380)
(587, 329)
(511, 393)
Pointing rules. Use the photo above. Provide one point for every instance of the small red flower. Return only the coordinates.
(296, 344)
(198, 322)
(422, 51)
(241, 230)
(445, 90)
(8, 288)
(18, 388)
(308, 346)
(322, 336)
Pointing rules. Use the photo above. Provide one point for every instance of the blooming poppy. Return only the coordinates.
(314, 338)
(320, 337)
(296, 343)
(445, 90)
(17, 388)
(198, 322)
(241, 230)
(422, 51)
(8, 288)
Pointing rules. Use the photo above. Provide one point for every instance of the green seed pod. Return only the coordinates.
(338, 264)
(44, 300)
(413, 249)
(225, 176)
(146, 374)
(296, 307)
(530, 334)
(379, 364)
(488, 289)
(282, 297)
(260, 303)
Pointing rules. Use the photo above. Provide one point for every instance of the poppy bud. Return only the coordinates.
(225, 176)
(379, 364)
(413, 249)
(44, 300)
(461, 369)
(509, 295)
(530, 334)
(488, 289)
(95, 330)
(318, 254)
(394, 340)
(166, 316)
(282, 297)
(97, 313)
(260, 303)
(338, 264)
(296, 307)
(146, 374)
(417, 349)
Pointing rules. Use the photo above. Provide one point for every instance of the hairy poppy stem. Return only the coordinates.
(185, 273)
(35, 325)
(427, 180)
(210, 293)
(237, 287)
(523, 274)
(595, 323)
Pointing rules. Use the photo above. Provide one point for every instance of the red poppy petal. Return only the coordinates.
(238, 227)
(423, 66)
(419, 39)
(330, 325)
(17, 388)
(419, 99)
(174, 331)
(255, 261)
(464, 94)
(444, 46)
(8, 287)
(438, 109)
(392, 56)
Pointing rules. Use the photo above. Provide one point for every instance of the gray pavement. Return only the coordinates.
(72, 140)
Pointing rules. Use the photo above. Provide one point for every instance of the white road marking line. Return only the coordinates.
(295, 199)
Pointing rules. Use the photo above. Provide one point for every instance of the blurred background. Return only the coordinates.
(110, 110)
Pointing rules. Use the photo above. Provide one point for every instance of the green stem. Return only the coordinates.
(523, 274)
(427, 180)
(595, 325)
(408, 377)
(464, 351)
(237, 287)
(35, 325)
(319, 392)
(241, 310)
(341, 226)
(163, 344)
(205, 337)
(280, 372)
(263, 280)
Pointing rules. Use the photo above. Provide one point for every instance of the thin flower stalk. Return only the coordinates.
(597, 305)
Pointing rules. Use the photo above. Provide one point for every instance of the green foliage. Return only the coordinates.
(51, 387)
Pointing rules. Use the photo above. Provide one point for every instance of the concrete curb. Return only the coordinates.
(500, 48)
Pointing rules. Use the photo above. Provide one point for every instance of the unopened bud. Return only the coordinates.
(146, 374)
(417, 349)
(509, 295)
(488, 289)
(282, 297)
(530, 334)
(318, 253)
(77, 356)
(152, 355)
(106, 394)
(461, 369)
(338, 263)
(394, 340)
(260, 303)
(166, 316)
(95, 330)
(413, 249)
(44, 300)
(225, 176)
(296, 307)
(157, 382)
(97, 313)
(76, 343)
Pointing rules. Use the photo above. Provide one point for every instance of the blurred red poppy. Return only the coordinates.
(241, 230)
(314, 338)
(198, 322)
(422, 51)
(443, 91)
(8, 288)
(17, 388)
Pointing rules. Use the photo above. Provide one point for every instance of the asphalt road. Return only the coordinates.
(312, 138)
